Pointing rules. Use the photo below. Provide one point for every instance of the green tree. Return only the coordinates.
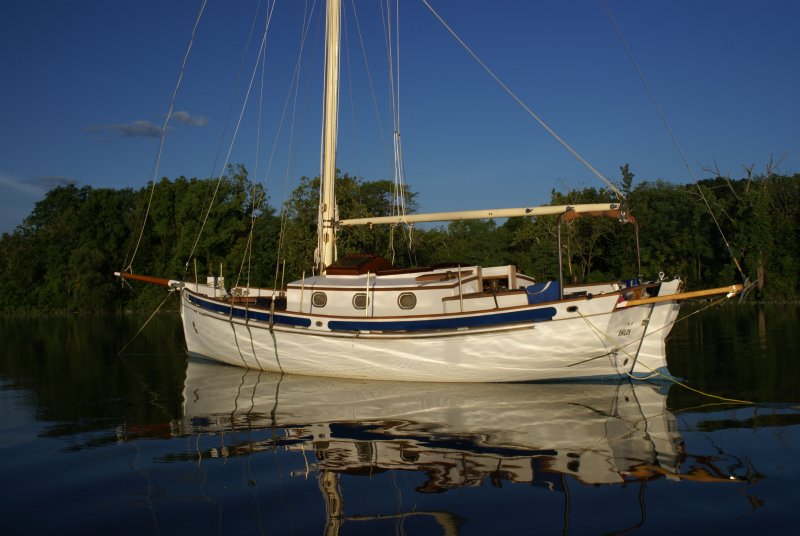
(63, 254)
(356, 198)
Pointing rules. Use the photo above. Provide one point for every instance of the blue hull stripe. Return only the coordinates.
(249, 313)
(528, 315)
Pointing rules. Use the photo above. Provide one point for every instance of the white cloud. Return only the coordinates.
(185, 118)
(145, 129)
(134, 129)
(21, 185)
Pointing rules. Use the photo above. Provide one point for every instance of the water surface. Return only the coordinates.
(152, 443)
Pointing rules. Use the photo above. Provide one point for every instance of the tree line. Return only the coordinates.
(63, 255)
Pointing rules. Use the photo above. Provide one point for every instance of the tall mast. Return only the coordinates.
(327, 212)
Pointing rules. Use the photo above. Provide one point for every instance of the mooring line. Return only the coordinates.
(653, 372)
(146, 322)
(698, 391)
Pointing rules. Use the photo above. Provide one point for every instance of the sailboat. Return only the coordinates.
(361, 317)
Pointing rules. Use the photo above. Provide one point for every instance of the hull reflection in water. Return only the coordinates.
(456, 434)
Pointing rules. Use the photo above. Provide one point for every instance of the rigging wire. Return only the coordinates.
(394, 66)
(256, 201)
(292, 99)
(400, 180)
(152, 315)
(370, 79)
(162, 140)
(394, 164)
(524, 106)
(393, 62)
(233, 97)
(230, 150)
(663, 117)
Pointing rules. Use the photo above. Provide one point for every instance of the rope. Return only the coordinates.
(523, 105)
(674, 139)
(160, 151)
(655, 372)
(170, 293)
(230, 148)
(235, 91)
(392, 43)
(394, 65)
(256, 202)
(291, 98)
(371, 82)
(698, 391)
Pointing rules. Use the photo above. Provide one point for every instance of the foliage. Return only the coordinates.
(356, 198)
(62, 257)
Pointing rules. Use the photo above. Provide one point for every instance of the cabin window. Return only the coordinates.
(407, 300)
(360, 301)
(319, 299)
(409, 456)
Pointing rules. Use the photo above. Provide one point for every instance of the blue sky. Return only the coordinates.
(86, 85)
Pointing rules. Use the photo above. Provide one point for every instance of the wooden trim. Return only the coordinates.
(244, 300)
(360, 288)
(145, 278)
(358, 264)
(732, 290)
(403, 271)
(408, 288)
(443, 276)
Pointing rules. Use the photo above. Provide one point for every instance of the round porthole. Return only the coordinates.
(407, 300)
(319, 299)
(360, 301)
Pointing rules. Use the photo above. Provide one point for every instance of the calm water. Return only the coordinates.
(151, 443)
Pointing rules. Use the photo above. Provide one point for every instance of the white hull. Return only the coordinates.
(579, 339)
